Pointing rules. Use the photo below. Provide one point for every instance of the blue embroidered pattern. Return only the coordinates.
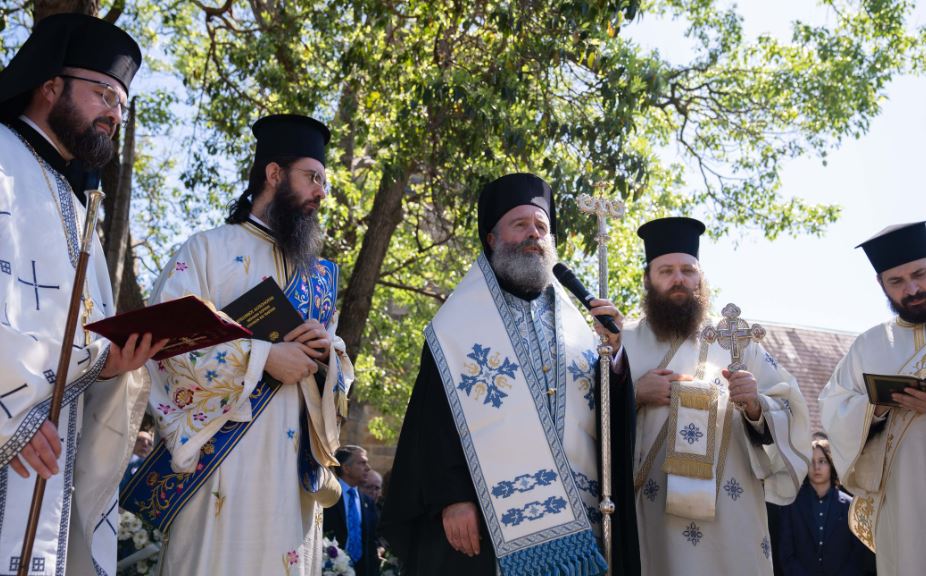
(584, 376)
(534, 511)
(487, 376)
(733, 489)
(650, 490)
(594, 514)
(585, 483)
(771, 360)
(691, 433)
(766, 547)
(693, 534)
(523, 483)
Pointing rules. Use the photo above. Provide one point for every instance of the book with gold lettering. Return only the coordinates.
(881, 386)
(265, 311)
(202, 326)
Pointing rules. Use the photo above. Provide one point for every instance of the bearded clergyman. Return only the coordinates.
(497, 468)
(878, 450)
(712, 445)
(62, 99)
(248, 431)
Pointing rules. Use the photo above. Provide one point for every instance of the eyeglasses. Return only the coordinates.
(109, 95)
(315, 178)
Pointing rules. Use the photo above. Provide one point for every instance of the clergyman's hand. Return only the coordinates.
(289, 362)
(911, 399)
(41, 453)
(461, 526)
(312, 334)
(744, 391)
(603, 307)
(132, 355)
(654, 388)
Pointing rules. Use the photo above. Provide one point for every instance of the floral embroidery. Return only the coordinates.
(183, 397)
(487, 376)
(693, 534)
(523, 483)
(290, 559)
(771, 361)
(583, 374)
(650, 490)
(181, 266)
(691, 433)
(766, 547)
(199, 417)
(211, 375)
(220, 356)
(733, 489)
(291, 433)
(534, 511)
(245, 260)
(585, 483)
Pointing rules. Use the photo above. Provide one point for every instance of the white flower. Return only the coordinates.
(140, 539)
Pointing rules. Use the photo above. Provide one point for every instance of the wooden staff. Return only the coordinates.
(57, 396)
(604, 209)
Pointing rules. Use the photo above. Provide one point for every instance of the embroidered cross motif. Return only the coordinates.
(691, 433)
(105, 518)
(766, 547)
(487, 376)
(181, 266)
(38, 564)
(523, 483)
(771, 360)
(693, 534)
(49, 376)
(733, 489)
(35, 285)
(534, 511)
(86, 351)
(5, 267)
(11, 392)
(650, 490)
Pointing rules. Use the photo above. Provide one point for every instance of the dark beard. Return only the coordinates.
(299, 235)
(908, 312)
(92, 147)
(669, 320)
(524, 272)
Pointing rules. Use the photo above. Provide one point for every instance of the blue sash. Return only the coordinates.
(156, 494)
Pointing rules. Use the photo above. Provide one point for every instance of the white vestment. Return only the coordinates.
(40, 224)
(884, 469)
(727, 532)
(252, 516)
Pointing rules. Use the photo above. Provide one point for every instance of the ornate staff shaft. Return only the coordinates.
(603, 209)
(57, 396)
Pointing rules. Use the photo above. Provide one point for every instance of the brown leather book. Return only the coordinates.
(189, 323)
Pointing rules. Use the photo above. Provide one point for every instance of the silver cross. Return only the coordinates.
(733, 334)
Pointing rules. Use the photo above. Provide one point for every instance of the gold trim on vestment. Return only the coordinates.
(688, 464)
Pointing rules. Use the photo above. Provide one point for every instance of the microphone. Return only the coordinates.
(568, 279)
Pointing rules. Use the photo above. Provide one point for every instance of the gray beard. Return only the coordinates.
(525, 271)
(299, 236)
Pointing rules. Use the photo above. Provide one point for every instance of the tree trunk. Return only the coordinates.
(117, 237)
(384, 218)
(130, 296)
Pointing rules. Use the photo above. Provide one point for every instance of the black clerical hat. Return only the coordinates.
(896, 245)
(290, 135)
(510, 191)
(66, 40)
(671, 235)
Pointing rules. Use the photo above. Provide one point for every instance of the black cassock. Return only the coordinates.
(430, 473)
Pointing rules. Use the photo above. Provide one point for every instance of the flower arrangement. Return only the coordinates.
(335, 561)
(133, 536)
(389, 565)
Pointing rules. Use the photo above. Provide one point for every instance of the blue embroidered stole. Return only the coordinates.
(157, 494)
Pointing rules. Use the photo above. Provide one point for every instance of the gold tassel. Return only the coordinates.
(688, 468)
(695, 399)
(342, 404)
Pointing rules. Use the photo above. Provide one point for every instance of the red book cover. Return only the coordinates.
(188, 322)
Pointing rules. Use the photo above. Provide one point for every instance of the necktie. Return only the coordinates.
(354, 546)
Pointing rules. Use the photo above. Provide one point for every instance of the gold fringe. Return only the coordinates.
(688, 468)
(340, 400)
(695, 399)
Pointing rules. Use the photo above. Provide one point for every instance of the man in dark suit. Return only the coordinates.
(354, 519)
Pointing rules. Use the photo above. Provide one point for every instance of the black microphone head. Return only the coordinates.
(562, 272)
